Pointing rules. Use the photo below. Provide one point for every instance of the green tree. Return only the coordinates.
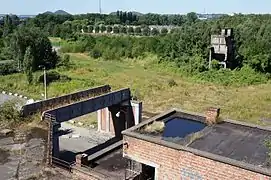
(146, 31)
(97, 29)
(28, 64)
(123, 30)
(90, 29)
(130, 30)
(116, 29)
(109, 29)
(103, 28)
(41, 47)
(154, 32)
(138, 30)
(85, 28)
(164, 31)
(192, 17)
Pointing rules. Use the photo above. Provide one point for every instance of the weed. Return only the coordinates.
(172, 83)
(268, 145)
(155, 128)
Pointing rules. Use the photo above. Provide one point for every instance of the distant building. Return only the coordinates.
(222, 48)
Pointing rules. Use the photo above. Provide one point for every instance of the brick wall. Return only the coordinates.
(172, 164)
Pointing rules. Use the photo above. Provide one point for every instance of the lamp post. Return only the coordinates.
(45, 83)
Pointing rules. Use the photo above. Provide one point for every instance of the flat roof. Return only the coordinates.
(232, 142)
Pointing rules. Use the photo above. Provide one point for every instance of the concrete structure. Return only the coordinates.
(222, 48)
(203, 148)
(121, 110)
(61, 100)
(105, 121)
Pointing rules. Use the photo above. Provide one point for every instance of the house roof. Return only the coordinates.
(242, 143)
(232, 142)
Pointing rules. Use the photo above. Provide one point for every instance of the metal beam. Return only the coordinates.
(66, 99)
(81, 108)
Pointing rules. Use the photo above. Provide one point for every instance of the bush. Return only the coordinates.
(65, 61)
(130, 30)
(164, 31)
(156, 127)
(103, 28)
(154, 32)
(53, 76)
(9, 112)
(95, 53)
(172, 83)
(245, 76)
(8, 68)
(116, 29)
(109, 29)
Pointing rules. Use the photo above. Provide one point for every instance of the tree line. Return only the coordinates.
(251, 34)
(26, 48)
(187, 46)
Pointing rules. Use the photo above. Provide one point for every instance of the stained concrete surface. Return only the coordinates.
(79, 140)
(114, 165)
(25, 160)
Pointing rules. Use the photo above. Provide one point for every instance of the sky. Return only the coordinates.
(33, 7)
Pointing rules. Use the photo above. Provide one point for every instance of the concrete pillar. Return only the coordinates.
(137, 106)
(134, 117)
(99, 117)
(107, 120)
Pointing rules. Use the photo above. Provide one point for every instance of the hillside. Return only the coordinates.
(58, 12)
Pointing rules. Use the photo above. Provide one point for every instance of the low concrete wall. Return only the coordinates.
(54, 102)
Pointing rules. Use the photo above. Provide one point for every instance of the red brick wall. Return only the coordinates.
(172, 164)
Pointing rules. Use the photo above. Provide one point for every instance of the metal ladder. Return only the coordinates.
(51, 120)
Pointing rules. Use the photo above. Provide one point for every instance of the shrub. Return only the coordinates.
(130, 30)
(154, 32)
(172, 83)
(90, 29)
(146, 31)
(156, 127)
(116, 29)
(65, 61)
(268, 145)
(164, 31)
(8, 68)
(53, 76)
(95, 53)
(9, 112)
(123, 30)
(245, 76)
(109, 29)
(138, 30)
(103, 28)
(97, 29)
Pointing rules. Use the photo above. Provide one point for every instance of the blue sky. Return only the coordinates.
(156, 6)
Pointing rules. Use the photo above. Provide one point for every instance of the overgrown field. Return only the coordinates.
(159, 86)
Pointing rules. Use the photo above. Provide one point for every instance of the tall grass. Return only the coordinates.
(150, 82)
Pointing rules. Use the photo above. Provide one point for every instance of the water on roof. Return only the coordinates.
(180, 127)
